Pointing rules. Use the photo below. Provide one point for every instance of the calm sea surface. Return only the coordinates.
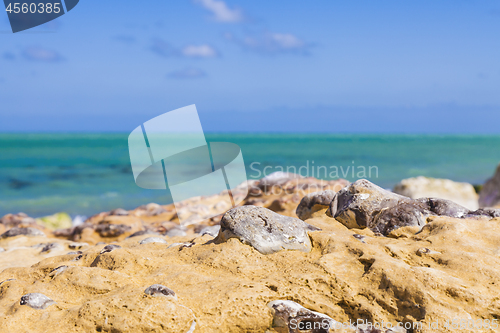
(83, 174)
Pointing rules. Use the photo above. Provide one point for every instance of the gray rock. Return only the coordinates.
(112, 230)
(51, 246)
(158, 290)
(56, 271)
(36, 301)
(359, 237)
(489, 196)
(74, 252)
(143, 232)
(181, 245)
(22, 231)
(77, 246)
(442, 207)
(211, 230)
(315, 200)
(297, 318)
(357, 205)
(265, 230)
(401, 215)
(485, 212)
(109, 248)
(2, 249)
(153, 240)
(176, 231)
(365, 205)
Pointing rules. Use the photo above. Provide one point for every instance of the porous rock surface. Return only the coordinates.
(447, 269)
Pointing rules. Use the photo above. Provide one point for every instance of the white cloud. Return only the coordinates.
(187, 73)
(164, 49)
(221, 12)
(272, 43)
(199, 51)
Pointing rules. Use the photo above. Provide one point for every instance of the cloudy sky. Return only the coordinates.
(309, 66)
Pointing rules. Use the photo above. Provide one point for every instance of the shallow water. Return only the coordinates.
(84, 174)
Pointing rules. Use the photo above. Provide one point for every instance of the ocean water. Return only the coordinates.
(83, 174)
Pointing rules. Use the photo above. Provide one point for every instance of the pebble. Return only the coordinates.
(176, 231)
(36, 301)
(159, 290)
(153, 240)
(109, 248)
(361, 238)
(51, 246)
(56, 271)
(143, 232)
(211, 230)
(77, 246)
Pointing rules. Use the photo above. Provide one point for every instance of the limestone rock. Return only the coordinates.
(425, 187)
(265, 230)
(447, 270)
(489, 196)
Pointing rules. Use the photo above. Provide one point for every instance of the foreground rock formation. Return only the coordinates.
(365, 205)
(428, 276)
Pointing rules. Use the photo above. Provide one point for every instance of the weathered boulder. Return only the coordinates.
(313, 202)
(357, 205)
(489, 196)
(366, 205)
(266, 231)
(425, 187)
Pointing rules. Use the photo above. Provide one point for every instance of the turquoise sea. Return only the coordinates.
(83, 174)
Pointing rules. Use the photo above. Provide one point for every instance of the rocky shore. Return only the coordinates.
(299, 255)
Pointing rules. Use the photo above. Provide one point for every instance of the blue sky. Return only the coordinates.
(324, 66)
